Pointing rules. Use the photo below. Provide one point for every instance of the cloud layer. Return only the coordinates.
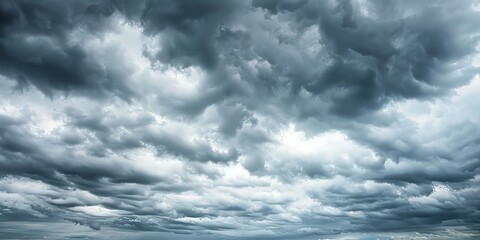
(288, 119)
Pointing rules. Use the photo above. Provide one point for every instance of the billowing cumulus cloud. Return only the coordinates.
(288, 119)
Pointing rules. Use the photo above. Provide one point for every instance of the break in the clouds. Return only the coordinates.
(255, 119)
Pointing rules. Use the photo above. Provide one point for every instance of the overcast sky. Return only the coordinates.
(252, 119)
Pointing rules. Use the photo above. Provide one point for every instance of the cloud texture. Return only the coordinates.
(285, 119)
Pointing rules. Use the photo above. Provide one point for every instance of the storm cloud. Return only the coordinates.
(284, 119)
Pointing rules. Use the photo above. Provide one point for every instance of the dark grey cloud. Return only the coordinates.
(26, 155)
(188, 30)
(372, 61)
(38, 47)
(239, 119)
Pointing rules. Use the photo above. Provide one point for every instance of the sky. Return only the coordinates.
(241, 119)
